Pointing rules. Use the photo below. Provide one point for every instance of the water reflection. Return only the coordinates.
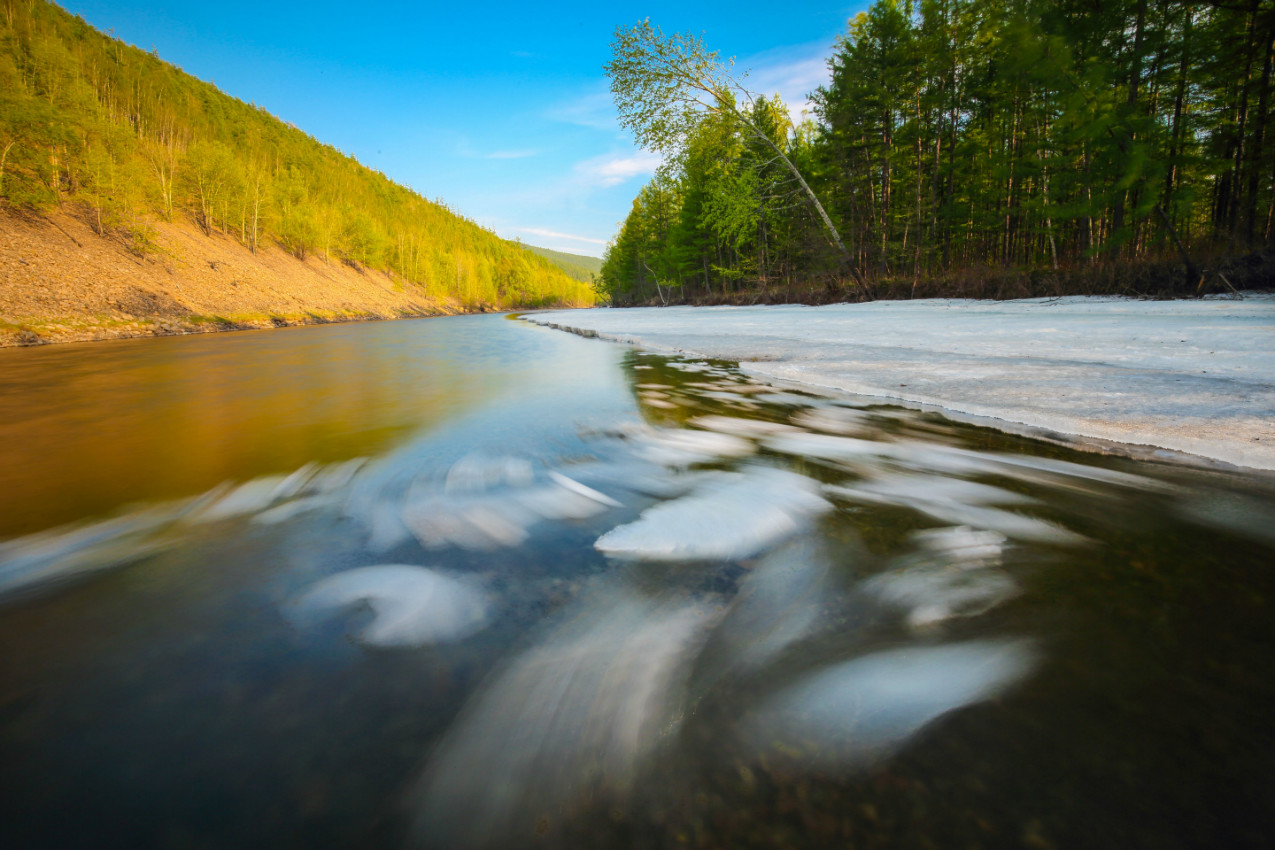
(637, 601)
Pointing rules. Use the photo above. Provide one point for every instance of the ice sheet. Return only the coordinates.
(1190, 376)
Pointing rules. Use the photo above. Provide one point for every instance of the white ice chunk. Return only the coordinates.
(914, 489)
(834, 420)
(741, 427)
(249, 498)
(411, 606)
(933, 594)
(288, 510)
(826, 446)
(677, 447)
(572, 718)
(780, 602)
(1012, 525)
(64, 553)
(858, 712)
(475, 473)
(962, 545)
(482, 523)
(579, 489)
(734, 516)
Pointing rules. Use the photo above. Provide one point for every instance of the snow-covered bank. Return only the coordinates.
(1189, 376)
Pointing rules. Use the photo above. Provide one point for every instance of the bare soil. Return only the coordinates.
(62, 282)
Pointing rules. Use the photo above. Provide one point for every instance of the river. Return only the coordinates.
(470, 582)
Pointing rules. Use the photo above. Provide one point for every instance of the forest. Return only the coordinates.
(962, 147)
(112, 133)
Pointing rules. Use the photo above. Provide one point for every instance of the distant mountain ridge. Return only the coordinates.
(579, 266)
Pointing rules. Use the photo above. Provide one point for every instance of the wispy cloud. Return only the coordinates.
(553, 234)
(509, 154)
(791, 72)
(614, 169)
(594, 110)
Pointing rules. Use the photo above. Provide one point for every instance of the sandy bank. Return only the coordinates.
(61, 282)
(1189, 376)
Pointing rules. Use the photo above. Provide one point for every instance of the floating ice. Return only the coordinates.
(780, 602)
(733, 516)
(740, 427)
(1101, 368)
(912, 490)
(835, 420)
(477, 473)
(411, 606)
(289, 510)
(858, 712)
(482, 523)
(933, 593)
(826, 446)
(674, 447)
(571, 719)
(645, 478)
(65, 553)
(487, 504)
(962, 545)
(1012, 525)
(249, 498)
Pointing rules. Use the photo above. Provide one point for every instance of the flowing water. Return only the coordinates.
(474, 583)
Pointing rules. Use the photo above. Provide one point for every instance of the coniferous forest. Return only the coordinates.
(111, 133)
(964, 147)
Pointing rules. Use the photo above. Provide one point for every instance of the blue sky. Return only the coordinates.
(501, 110)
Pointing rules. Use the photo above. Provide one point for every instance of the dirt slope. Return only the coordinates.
(61, 282)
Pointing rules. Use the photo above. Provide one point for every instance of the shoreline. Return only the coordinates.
(80, 330)
(1097, 373)
(61, 282)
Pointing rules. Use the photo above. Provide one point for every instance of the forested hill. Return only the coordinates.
(963, 147)
(95, 128)
(578, 266)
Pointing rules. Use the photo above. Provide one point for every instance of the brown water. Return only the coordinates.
(476, 583)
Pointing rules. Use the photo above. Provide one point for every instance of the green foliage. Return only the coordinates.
(577, 266)
(92, 124)
(959, 134)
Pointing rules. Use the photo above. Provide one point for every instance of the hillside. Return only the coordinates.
(578, 266)
(146, 159)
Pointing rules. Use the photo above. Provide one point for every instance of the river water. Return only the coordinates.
(474, 583)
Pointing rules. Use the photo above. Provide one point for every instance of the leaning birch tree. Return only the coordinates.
(665, 86)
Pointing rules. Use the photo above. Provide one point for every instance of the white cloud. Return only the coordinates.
(792, 73)
(553, 234)
(594, 110)
(510, 154)
(614, 169)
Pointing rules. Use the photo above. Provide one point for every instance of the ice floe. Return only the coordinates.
(956, 574)
(852, 714)
(732, 516)
(410, 605)
(573, 718)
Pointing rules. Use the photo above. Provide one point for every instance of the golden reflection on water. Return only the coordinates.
(88, 428)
